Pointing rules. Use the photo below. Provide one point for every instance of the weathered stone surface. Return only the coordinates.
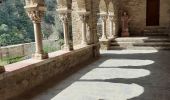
(27, 74)
(105, 44)
(25, 49)
(2, 69)
(117, 75)
(136, 10)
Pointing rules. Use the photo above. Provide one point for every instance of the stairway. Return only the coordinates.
(155, 31)
(141, 43)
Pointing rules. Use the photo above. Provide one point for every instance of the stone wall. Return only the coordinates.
(135, 8)
(77, 24)
(137, 12)
(25, 49)
(165, 13)
(94, 7)
(27, 74)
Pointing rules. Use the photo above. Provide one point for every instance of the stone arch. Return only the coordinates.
(111, 8)
(81, 5)
(102, 6)
(62, 4)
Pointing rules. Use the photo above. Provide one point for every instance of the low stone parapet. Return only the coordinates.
(2, 69)
(25, 75)
(105, 43)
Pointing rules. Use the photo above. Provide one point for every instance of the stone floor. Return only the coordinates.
(117, 75)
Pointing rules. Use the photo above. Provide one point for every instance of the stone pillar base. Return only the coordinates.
(68, 48)
(96, 50)
(84, 43)
(125, 34)
(103, 39)
(40, 56)
(104, 44)
(2, 69)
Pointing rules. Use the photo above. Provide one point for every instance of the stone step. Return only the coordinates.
(142, 39)
(156, 34)
(155, 27)
(138, 48)
(153, 44)
(158, 40)
(156, 31)
(148, 43)
(140, 44)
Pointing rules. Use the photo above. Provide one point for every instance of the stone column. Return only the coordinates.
(103, 18)
(63, 14)
(2, 69)
(36, 12)
(111, 19)
(83, 15)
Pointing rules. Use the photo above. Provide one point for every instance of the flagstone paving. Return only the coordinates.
(117, 75)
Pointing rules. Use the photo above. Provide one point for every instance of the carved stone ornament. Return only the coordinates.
(35, 9)
(63, 15)
(35, 15)
(83, 15)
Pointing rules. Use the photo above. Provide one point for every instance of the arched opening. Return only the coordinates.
(111, 22)
(102, 18)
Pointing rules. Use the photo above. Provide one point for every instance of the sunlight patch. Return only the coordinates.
(113, 73)
(128, 51)
(125, 62)
(99, 90)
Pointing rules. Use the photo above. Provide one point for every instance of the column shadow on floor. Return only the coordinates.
(152, 79)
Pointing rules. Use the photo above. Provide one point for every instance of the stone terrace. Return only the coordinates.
(117, 75)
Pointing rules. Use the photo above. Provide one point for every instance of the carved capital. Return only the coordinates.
(104, 17)
(83, 18)
(83, 15)
(111, 18)
(35, 15)
(34, 2)
(63, 15)
(35, 9)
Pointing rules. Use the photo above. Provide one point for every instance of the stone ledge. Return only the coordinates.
(25, 75)
(104, 43)
(26, 64)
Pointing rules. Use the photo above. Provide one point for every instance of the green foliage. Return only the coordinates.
(61, 42)
(49, 48)
(15, 26)
(53, 46)
(10, 60)
(49, 19)
(58, 29)
(54, 25)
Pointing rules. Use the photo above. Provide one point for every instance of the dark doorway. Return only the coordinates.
(152, 13)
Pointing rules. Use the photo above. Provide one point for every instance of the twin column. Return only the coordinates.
(112, 26)
(104, 18)
(36, 12)
(64, 17)
(83, 16)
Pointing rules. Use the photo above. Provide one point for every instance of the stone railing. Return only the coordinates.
(25, 75)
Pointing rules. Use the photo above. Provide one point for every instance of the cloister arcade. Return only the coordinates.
(88, 13)
(82, 22)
